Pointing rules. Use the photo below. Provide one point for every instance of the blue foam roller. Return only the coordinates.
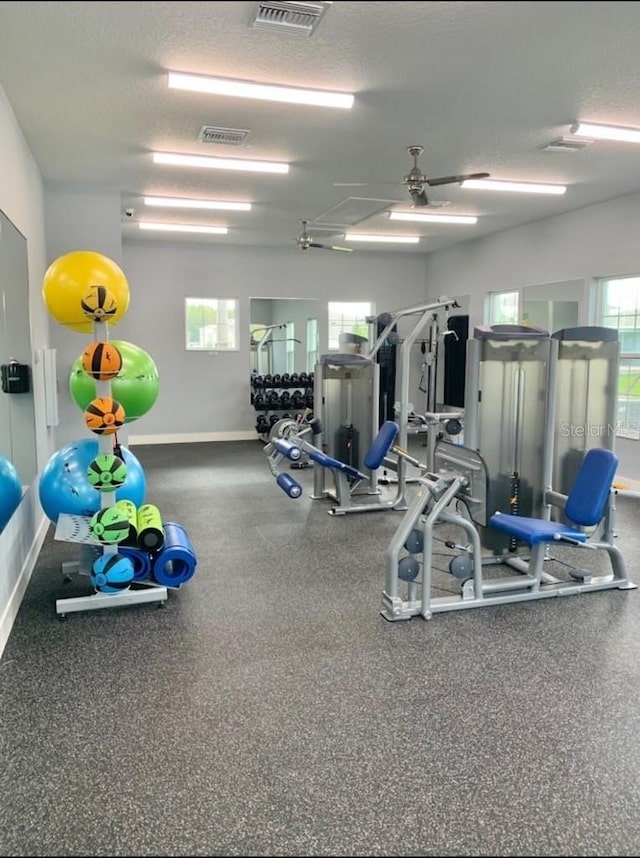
(289, 485)
(141, 561)
(176, 563)
(381, 444)
(288, 449)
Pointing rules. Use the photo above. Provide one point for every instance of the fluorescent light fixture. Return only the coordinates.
(209, 205)
(433, 218)
(262, 91)
(605, 132)
(517, 187)
(181, 227)
(389, 239)
(219, 163)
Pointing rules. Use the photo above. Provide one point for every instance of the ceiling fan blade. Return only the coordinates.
(453, 180)
(361, 184)
(330, 247)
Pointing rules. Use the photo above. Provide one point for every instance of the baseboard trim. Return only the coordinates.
(626, 484)
(193, 437)
(15, 600)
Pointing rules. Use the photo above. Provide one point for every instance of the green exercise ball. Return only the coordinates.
(135, 387)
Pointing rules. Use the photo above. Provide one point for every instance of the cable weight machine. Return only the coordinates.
(347, 399)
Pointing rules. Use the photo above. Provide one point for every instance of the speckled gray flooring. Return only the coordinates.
(270, 710)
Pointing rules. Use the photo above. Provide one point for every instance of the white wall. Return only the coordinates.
(596, 241)
(202, 394)
(21, 199)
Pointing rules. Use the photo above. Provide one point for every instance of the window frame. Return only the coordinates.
(209, 300)
(629, 430)
(489, 307)
(348, 325)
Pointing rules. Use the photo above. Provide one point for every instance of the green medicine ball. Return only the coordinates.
(110, 525)
(107, 472)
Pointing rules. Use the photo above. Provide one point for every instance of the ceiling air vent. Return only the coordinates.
(567, 144)
(215, 134)
(301, 18)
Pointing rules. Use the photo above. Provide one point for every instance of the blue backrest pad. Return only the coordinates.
(381, 444)
(591, 488)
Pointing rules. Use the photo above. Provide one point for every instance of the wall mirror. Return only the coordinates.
(284, 335)
(17, 418)
(554, 306)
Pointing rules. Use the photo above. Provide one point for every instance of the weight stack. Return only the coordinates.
(455, 356)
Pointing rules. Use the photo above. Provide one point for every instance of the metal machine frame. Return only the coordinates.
(462, 477)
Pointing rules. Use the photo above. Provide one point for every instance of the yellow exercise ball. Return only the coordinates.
(73, 278)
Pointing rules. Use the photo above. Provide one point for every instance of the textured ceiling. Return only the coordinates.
(481, 85)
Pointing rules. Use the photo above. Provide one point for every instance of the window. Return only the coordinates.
(349, 318)
(312, 345)
(211, 324)
(620, 309)
(504, 308)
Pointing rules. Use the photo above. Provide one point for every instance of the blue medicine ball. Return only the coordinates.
(64, 487)
(111, 573)
(10, 491)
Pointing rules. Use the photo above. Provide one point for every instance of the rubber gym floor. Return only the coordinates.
(269, 709)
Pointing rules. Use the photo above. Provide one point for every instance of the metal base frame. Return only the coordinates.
(98, 601)
(139, 593)
(433, 504)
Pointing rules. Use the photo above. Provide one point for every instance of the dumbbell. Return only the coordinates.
(272, 399)
(294, 379)
(310, 377)
(308, 400)
(257, 381)
(273, 420)
(262, 425)
(285, 399)
(303, 379)
(259, 402)
(297, 399)
(285, 379)
(267, 381)
(276, 380)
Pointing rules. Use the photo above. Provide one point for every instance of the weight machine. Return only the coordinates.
(263, 358)
(528, 479)
(462, 477)
(347, 396)
(292, 440)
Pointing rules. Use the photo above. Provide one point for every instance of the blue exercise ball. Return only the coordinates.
(64, 487)
(10, 491)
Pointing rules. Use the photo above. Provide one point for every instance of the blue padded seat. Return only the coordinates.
(584, 507)
(534, 530)
(329, 462)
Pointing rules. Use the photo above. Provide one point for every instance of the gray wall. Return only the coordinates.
(204, 394)
(86, 218)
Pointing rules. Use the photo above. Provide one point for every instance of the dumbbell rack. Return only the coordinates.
(268, 392)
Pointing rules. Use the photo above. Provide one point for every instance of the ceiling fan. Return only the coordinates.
(415, 180)
(305, 241)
